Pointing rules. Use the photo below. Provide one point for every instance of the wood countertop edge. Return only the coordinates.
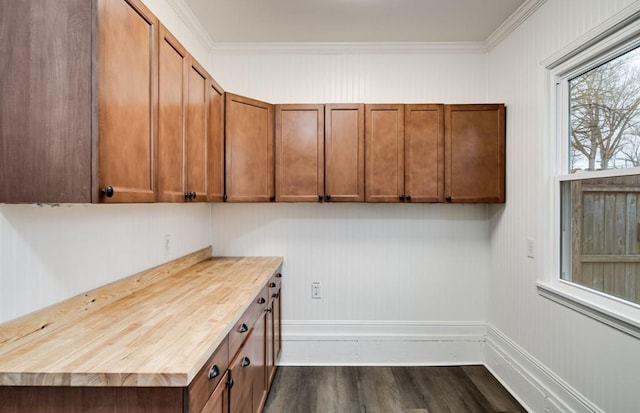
(42, 322)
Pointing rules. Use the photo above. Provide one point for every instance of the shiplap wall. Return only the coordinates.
(576, 363)
(50, 253)
(401, 283)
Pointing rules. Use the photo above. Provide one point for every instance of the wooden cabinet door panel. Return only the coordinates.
(128, 100)
(249, 150)
(384, 145)
(299, 153)
(241, 393)
(344, 153)
(215, 142)
(258, 363)
(172, 72)
(277, 326)
(475, 153)
(196, 131)
(219, 400)
(424, 153)
(46, 102)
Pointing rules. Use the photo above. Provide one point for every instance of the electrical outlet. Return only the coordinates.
(167, 245)
(531, 248)
(316, 290)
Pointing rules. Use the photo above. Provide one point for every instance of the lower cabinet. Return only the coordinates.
(219, 400)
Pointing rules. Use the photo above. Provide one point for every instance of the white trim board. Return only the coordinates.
(339, 343)
(534, 385)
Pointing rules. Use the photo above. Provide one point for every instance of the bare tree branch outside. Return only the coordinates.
(605, 115)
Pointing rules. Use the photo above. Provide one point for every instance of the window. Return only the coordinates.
(596, 128)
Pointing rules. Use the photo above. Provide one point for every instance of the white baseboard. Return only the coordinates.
(339, 343)
(536, 387)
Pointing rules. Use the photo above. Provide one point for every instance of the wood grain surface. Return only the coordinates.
(154, 329)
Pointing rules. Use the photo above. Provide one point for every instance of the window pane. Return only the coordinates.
(604, 117)
(600, 235)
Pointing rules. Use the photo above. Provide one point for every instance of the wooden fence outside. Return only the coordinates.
(605, 245)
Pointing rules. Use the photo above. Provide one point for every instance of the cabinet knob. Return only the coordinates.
(448, 198)
(224, 198)
(272, 198)
(214, 372)
(107, 191)
(187, 195)
(262, 300)
(408, 198)
(194, 195)
(272, 284)
(244, 328)
(246, 361)
(275, 295)
(268, 310)
(278, 275)
(401, 197)
(320, 198)
(328, 197)
(230, 382)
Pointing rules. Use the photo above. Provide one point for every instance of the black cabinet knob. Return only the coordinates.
(194, 195)
(408, 198)
(320, 198)
(272, 284)
(244, 328)
(275, 295)
(187, 195)
(246, 362)
(262, 300)
(230, 382)
(448, 198)
(401, 197)
(328, 197)
(107, 191)
(278, 275)
(214, 372)
(224, 198)
(272, 198)
(268, 310)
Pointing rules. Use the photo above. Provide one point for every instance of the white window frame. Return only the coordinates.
(612, 38)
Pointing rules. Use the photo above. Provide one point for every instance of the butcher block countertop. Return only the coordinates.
(156, 328)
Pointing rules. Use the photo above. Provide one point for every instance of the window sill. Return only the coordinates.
(596, 312)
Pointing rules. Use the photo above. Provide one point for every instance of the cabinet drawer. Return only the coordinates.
(240, 331)
(208, 377)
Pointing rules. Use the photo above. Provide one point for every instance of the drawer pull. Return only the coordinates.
(278, 275)
(262, 300)
(272, 285)
(244, 328)
(268, 310)
(276, 295)
(214, 372)
(246, 361)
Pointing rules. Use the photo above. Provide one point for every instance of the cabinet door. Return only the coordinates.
(424, 153)
(196, 132)
(249, 150)
(474, 153)
(219, 400)
(277, 326)
(241, 393)
(344, 153)
(172, 71)
(384, 145)
(46, 101)
(258, 363)
(215, 142)
(299, 153)
(128, 101)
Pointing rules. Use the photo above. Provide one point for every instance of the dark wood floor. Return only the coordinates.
(388, 390)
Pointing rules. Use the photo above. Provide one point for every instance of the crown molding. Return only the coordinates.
(350, 48)
(186, 15)
(513, 22)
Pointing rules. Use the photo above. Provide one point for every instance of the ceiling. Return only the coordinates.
(231, 21)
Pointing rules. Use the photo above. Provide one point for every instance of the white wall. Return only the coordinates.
(551, 356)
(50, 253)
(401, 283)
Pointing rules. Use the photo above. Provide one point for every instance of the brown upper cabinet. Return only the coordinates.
(405, 153)
(384, 146)
(72, 131)
(196, 133)
(215, 142)
(344, 153)
(249, 150)
(475, 153)
(299, 153)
